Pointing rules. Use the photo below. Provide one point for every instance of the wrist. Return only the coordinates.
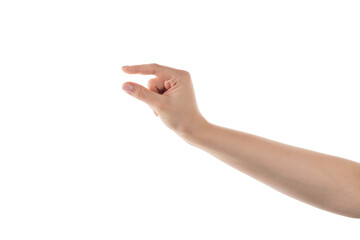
(195, 133)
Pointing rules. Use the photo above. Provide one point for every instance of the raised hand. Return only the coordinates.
(170, 94)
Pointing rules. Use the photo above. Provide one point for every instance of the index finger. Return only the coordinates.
(150, 69)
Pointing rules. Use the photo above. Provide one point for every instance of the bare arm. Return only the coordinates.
(327, 182)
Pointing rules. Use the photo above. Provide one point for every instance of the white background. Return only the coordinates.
(81, 159)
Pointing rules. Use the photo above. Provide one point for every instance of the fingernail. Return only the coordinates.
(126, 66)
(128, 87)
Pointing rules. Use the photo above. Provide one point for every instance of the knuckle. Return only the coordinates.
(152, 82)
(185, 73)
(155, 68)
(154, 64)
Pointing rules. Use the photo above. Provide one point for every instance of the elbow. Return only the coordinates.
(355, 212)
(352, 212)
(347, 203)
(357, 200)
(355, 215)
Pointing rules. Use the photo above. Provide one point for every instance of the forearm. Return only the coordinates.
(327, 182)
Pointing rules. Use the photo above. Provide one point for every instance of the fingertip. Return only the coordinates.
(128, 87)
(126, 67)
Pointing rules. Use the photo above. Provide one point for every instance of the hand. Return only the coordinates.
(170, 95)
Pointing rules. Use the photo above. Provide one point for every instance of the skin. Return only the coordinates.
(328, 182)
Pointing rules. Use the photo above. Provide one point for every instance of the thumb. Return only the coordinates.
(140, 92)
